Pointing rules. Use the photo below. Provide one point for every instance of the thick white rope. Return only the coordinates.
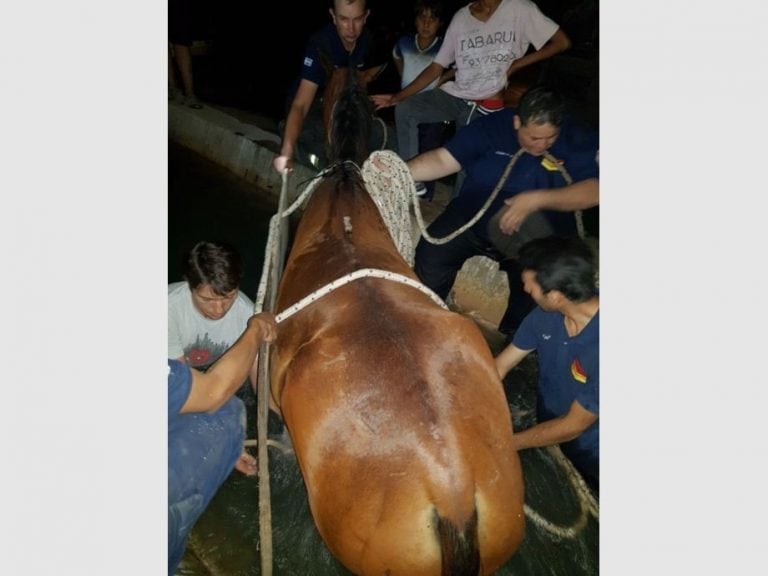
(356, 275)
(587, 503)
(384, 130)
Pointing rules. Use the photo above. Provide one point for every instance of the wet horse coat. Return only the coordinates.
(394, 406)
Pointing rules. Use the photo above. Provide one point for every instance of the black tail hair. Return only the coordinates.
(459, 550)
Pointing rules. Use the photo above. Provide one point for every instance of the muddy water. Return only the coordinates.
(208, 202)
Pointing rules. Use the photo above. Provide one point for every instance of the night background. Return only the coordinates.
(248, 54)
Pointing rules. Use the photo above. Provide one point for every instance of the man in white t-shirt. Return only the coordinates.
(488, 41)
(207, 313)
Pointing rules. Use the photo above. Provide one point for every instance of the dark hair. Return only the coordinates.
(218, 265)
(333, 3)
(541, 105)
(563, 264)
(434, 6)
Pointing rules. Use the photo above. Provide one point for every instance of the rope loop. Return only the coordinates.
(587, 504)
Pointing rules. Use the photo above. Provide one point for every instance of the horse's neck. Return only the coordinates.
(349, 212)
(345, 220)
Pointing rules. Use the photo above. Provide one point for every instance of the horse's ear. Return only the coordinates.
(369, 75)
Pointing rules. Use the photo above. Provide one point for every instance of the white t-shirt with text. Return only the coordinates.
(483, 51)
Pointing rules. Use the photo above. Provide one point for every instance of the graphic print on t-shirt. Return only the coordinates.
(203, 352)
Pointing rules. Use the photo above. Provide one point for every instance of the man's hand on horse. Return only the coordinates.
(383, 100)
(518, 209)
(282, 164)
(266, 324)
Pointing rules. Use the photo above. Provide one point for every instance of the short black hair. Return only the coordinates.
(216, 264)
(562, 264)
(541, 105)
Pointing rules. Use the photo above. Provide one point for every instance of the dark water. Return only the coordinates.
(207, 201)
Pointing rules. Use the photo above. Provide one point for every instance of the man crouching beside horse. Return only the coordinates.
(396, 411)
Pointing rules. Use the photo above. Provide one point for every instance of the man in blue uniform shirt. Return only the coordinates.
(206, 429)
(537, 143)
(343, 43)
(564, 330)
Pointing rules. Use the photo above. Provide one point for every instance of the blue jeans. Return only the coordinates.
(202, 451)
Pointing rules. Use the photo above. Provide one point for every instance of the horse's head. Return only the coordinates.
(347, 116)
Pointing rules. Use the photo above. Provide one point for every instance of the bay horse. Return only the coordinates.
(396, 412)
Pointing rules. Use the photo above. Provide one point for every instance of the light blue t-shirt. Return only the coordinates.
(415, 60)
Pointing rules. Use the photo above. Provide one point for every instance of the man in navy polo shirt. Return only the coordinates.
(564, 330)
(343, 43)
(535, 199)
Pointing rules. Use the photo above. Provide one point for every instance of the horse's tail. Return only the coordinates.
(459, 549)
(351, 122)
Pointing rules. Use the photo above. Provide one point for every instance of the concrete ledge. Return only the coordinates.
(243, 148)
(247, 150)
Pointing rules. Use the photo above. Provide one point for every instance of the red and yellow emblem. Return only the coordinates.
(551, 166)
(577, 371)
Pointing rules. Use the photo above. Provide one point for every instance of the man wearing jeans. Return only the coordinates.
(206, 429)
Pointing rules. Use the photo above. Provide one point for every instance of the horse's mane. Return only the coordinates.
(351, 122)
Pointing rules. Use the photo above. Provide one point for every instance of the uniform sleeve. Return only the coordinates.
(582, 154)
(471, 142)
(179, 385)
(589, 396)
(525, 336)
(311, 69)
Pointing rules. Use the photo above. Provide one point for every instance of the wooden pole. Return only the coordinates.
(263, 387)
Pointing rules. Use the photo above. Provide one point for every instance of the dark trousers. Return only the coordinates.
(431, 136)
(437, 265)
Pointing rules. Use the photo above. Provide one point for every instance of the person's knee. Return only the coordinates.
(234, 415)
